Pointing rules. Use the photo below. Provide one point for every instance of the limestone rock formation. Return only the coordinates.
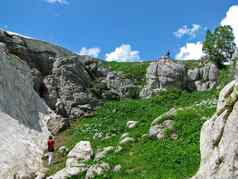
(123, 87)
(23, 118)
(97, 170)
(167, 73)
(69, 84)
(75, 163)
(60, 76)
(218, 144)
(203, 78)
(163, 74)
(82, 151)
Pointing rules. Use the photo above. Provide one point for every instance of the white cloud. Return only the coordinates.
(58, 1)
(93, 52)
(191, 51)
(124, 53)
(232, 20)
(185, 30)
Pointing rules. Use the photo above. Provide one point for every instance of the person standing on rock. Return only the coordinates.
(51, 149)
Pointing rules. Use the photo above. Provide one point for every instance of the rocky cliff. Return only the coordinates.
(218, 141)
(23, 118)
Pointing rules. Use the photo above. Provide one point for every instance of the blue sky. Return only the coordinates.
(139, 29)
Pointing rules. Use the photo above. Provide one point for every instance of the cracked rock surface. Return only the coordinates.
(219, 138)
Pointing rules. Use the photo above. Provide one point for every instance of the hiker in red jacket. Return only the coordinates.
(51, 149)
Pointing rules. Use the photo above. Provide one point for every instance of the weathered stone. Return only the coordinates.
(82, 151)
(117, 168)
(131, 124)
(193, 74)
(101, 153)
(203, 78)
(162, 123)
(123, 87)
(163, 74)
(40, 175)
(124, 135)
(63, 150)
(74, 167)
(97, 170)
(23, 118)
(62, 174)
(217, 144)
(127, 140)
(166, 116)
(56, 123)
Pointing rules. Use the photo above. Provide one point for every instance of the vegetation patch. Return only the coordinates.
(132, 70)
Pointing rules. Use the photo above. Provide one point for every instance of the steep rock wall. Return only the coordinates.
(219, 138)
(23, 118)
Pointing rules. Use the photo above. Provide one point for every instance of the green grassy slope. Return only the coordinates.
(132, 70)
(147, 158)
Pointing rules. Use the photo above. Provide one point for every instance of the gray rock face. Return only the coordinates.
(82, 151)
(204, 78)
(97, 170)
(23, 118)
(36, 53)
(163, 74)
(217, 142)
(70, 84)
(167, 73)
(123, 87)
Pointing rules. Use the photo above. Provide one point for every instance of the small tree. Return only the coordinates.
(219, 45)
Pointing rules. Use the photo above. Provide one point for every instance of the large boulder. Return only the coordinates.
(162, 124)
(82, 151)
(163, 74)
(23, 118)
(218, 144)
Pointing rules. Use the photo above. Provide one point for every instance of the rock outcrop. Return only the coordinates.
(162, 124)
(72, 85)
(76, 162)
(23, 117)
(203, 78)
(163, 74)
(121, 86)
(218, 144)
(167, 73)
